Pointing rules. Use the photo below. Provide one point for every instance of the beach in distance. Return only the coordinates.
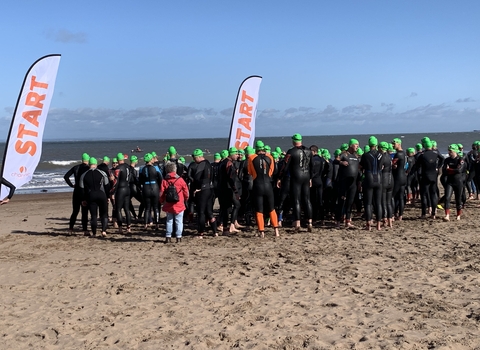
(415, 286)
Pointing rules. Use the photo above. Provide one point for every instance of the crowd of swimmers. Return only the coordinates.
(265, 187)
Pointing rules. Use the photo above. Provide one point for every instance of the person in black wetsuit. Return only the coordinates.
(400, 167)
(347, 182)
(387, 186)
(11, 187)
(453, 174)
(150, 178)
(121, 193)
(261, 167)
(135, 189)
(181, 168)
(77, 198)
(372, 165)
(411, 175)
(94, 184)
(428, 163)
(202, 189)
(215, 168)
(298, 161)
(229, 191)
(316, 191)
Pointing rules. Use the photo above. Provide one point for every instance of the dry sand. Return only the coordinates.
(413, 287)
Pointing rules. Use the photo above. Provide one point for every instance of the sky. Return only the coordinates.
(171, 69)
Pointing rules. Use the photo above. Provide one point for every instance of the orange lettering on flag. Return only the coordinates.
(35, 100)
(24, 132)
(23, 148)
(246, 123)
(35, 84)
(241, 134)
(242, 145)
(32, 116)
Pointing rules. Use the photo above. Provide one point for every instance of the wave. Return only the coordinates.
(61, 162)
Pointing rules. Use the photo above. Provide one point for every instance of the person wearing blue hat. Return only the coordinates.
(298, 163)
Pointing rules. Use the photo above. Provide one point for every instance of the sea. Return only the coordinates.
(59, 156)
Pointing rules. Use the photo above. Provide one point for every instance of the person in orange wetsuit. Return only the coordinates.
(261, 166)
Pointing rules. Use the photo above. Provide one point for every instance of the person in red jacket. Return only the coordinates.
(173, 209)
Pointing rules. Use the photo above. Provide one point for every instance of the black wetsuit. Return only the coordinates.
(387, 187)
(150, 178)
(399, 165)
(298, 163)
(122, 193)
(372, 164)
(94, 183)
(347, 185)
(135, 192)
(77, 171)
(316, 191)
(428, 163)
(453, 179)
(9, 185)
(229, 191)
(202, 189)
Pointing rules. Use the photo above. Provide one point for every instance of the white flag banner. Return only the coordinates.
(24, 143)
(242, 130)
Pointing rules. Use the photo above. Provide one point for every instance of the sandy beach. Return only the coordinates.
(412, 287)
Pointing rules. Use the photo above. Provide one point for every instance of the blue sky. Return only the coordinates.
(171, 69)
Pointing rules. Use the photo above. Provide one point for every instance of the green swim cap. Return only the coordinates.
(268, 148)
(418, 146)
(197, 153)
(434, 143)
(148, 157)
(232, 151)
(249, 150)
(297, 137)
(397, 140)
(337, 152)
(428, 144)
(353, 142)
(241, 151)
(360, 152)
(344, 146)
(372, 141)
(154, 154)
(390, 148)
(425, 139)
(460, 146)
(92, 160)
(366, 149)
(120, 156)
(275, 155)
(217, 156)
(85, 157)
(224, 153)
(384, 145)
(326, 154)
(476, 143)
(114, 160)
(106, 159)
(259, 145)
(278, 150)
(181, 160)
(453, 147)
(133, 159)
(410, 150)
(172, 151)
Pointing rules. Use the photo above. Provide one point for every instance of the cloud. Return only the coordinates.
(413, 94)
(66, 36)
(191, 122)
(467, 99)
(357, 109)
(388, 106)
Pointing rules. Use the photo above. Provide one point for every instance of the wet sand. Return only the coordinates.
(412, 287)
